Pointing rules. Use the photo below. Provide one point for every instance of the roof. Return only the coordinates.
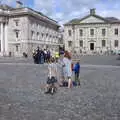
(106, 20)
(112, 19)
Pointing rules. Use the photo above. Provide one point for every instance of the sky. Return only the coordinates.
(66, 10)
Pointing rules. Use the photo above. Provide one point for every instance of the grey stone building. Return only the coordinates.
(22, 29)
(92, 34)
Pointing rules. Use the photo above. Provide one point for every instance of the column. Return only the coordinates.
(6, 39)
(1, 37)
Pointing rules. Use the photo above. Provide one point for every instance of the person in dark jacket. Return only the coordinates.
(77, 72)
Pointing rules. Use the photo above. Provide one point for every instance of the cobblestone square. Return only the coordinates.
(22, 96)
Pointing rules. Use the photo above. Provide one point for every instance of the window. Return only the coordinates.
(37, 35)
(116, 31)
(33, 25)
(32, 34)
(46, 34)
(116, 43)
(0, 45)
(92, 32)
(69, 32)
(16, 48)
(103, 32)
(81, 32)
(17, 34)
(69, 43)
(38, 26)
(81, 43)
(42, 35)
(16, 22)
(103, 43)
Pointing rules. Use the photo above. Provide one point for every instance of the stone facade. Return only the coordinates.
(92, 34)
(23, 29)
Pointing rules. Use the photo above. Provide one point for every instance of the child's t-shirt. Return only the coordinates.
(77, 68)
(52, 70)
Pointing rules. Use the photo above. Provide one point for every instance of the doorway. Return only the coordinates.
(92, 46)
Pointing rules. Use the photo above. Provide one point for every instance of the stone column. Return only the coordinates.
(1, 24)
(6, 39)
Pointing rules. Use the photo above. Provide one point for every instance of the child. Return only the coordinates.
(52, 76)
(77, 72)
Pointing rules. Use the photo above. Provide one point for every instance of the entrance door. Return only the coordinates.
(91, 46)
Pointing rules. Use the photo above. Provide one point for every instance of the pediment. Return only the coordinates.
(92, 19)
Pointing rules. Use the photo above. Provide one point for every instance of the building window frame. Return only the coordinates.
(116, 43)
(103, 43)
(116, 31)
(69, 33)
(17, 34)
(81, 43)
(38, 36)
(32, 34)
(103, 32)
(16, 23)
(92, 32)
(69, 43)
(81, 32)
(17, 48)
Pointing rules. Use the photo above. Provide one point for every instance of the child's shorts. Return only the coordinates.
(51, 80)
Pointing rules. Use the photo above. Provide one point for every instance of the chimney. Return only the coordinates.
(92, 11)
(19, 4)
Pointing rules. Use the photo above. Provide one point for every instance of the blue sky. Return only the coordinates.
(65, 10)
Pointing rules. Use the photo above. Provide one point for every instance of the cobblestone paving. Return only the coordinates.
(23, 98)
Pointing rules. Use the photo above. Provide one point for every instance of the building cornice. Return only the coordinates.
(92, 24)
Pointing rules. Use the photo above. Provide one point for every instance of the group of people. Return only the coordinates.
(41, 56)
(61, 71)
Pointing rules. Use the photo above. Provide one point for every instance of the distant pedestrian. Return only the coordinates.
(34, 55)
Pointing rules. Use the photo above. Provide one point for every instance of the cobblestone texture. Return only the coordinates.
(22, 96)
